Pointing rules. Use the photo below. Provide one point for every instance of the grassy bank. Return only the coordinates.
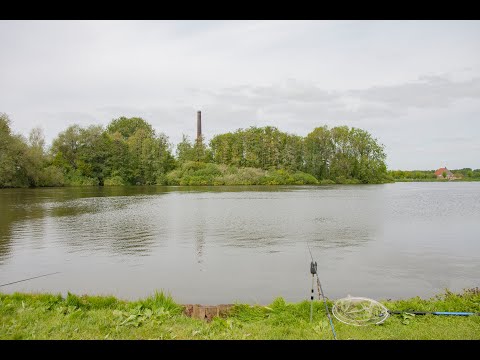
(47, 316)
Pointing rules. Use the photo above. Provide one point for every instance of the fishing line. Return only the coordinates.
(35, 277)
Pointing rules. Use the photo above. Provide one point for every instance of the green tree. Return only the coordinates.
(12, 156)
(185, 151)
(318, 152)
(93, 153)
(129, 126)
(129, 151)
(35, 155)
(20, 164)
(138, 155)
(65, 147)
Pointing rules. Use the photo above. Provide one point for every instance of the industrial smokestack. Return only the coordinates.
(199, 125)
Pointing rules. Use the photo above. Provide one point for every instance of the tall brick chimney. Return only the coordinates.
(199, 125)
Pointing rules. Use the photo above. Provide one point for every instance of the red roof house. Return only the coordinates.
(449, 174)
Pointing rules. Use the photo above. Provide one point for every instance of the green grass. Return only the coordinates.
(47, 316)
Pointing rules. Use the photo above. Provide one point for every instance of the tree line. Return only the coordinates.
(128, 151)
(465, 174)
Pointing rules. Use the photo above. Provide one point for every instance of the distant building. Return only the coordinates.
(199, 126)
(449, 174)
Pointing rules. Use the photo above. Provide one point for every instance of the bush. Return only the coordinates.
(173, 177)
(283, 177)
(114, 181)
(245, 176)
(277, 177)
(192, 166)
(161, 179)
(199, 180)
(51, 176)
(198, 173)
(210, 170)
(356, 181)
(301, 178)
(74, 178)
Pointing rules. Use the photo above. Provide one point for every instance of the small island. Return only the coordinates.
(130, 152)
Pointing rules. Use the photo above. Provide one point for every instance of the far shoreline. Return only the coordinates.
(246, 185)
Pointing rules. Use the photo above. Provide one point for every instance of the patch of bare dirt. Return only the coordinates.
(206, 312)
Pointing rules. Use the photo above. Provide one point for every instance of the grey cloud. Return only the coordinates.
(453, 139)
(290, 91)
(430, 91)
(375, 105)
(297, 102)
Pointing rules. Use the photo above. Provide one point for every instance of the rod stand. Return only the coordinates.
(313, 271)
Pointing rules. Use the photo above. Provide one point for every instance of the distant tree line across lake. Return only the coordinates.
(128, 151)
(465, 174)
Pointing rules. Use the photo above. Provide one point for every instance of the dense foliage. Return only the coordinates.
(200, 173)
(24, 162)
(127, 152)
(337, 155)
(130, 152)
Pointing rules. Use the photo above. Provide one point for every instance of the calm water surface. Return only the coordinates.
(216, 245)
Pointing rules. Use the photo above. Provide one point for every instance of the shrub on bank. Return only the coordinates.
(51, 176)
(198, 173)
(74, 178)
(114, 181)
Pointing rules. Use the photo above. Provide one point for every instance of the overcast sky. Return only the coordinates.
(414, 85)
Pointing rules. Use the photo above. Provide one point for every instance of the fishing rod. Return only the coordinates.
(35, 277)
(313, 271)
(451, 313)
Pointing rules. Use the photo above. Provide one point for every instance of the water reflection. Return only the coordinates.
(384, 240)
(122, 225)
(7, 217)
(133, 221)
(13, 212)
(199, 241)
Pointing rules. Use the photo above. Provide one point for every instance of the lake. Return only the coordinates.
(213, 245)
